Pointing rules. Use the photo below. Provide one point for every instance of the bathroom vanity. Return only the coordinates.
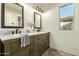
(13, 47)
(39, 43)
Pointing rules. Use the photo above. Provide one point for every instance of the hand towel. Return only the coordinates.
(22, 41)
(25, 40)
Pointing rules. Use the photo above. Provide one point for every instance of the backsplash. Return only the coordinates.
(6, 31)
(9, 31)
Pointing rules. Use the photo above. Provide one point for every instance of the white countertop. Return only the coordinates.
(9, 37)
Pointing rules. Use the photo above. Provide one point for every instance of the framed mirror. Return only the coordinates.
(12, 15)
(37, 21)
(66, 18)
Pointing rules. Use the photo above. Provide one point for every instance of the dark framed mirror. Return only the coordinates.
(12, 15)
(37, 21)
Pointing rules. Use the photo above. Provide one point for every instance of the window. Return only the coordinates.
(66, 17)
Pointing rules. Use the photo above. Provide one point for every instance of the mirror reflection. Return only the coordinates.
(37, 21)
(13, 15)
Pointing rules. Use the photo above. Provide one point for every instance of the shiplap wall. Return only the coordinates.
(64, 40)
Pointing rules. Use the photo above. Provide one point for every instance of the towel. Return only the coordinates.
(22, 41)
(25, 40)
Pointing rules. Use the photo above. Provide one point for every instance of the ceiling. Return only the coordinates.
(45, 6)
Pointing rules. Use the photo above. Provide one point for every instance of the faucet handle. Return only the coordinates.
(17, 30)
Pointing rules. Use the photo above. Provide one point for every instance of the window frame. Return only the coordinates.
(72, 28)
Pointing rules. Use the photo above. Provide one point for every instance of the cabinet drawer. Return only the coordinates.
(28, 50)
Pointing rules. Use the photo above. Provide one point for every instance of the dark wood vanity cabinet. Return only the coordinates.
(13, 48)
(39, 44)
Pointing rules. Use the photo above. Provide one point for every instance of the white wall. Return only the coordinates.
(63, 40)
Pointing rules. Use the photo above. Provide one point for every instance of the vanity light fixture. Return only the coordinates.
(38, 8)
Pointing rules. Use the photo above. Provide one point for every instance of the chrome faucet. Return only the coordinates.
(17, 30)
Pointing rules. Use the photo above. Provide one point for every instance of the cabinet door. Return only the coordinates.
(46, 41)
(36, 46)
(40, 45)
(7, 49)
(28, 50)
(32, 46)
(11, 46)
(15, 45)
(43, 43)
